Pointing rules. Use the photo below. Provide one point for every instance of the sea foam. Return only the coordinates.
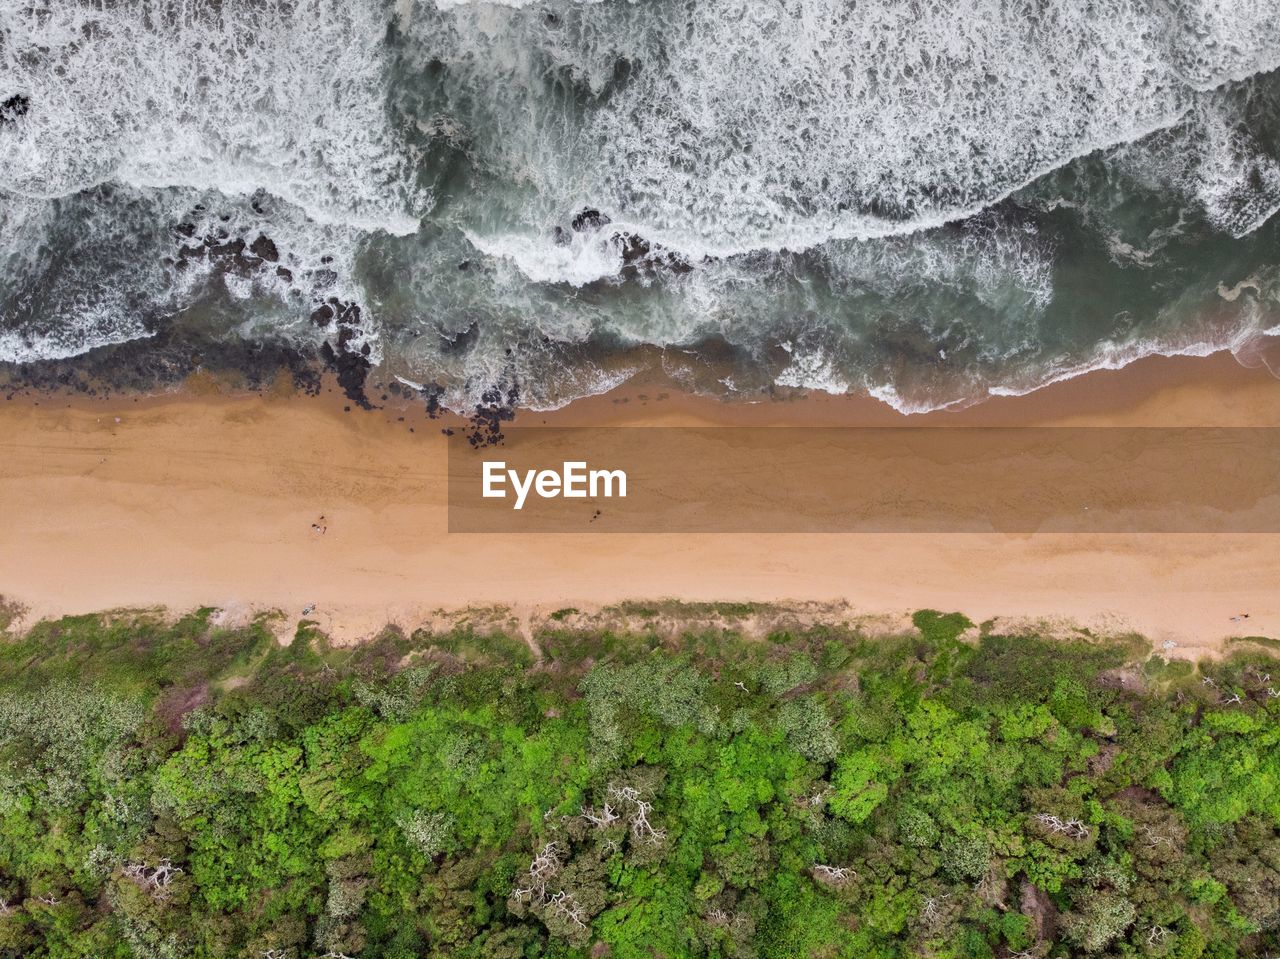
(924, 201)
(736, 125)
(235, 96)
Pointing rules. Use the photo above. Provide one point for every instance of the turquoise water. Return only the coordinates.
(930, 203)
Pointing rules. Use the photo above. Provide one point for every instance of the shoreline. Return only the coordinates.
(1095, 396)
(203, 497)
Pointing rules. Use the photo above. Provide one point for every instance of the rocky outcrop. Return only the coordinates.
(264, 249)
(226, 253)
(343, 351)
(640, 258)
(495, 408)
(589, 219)
(13, 109)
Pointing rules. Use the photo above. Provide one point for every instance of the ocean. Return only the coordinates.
(929, 202)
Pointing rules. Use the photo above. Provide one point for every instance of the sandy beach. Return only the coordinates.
(209, 498)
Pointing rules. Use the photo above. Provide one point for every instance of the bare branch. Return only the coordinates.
(1068, 827)
(638, 815)
(603, 819)
(833, 875)
(542, 869)
(1153, 839)
(932, 906)
(154, 879)
(566, 907)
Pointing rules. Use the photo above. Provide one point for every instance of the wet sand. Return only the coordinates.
(201, 498)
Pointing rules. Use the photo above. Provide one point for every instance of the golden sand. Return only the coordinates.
(205, 499)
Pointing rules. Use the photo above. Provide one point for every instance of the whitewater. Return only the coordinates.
(929, 202)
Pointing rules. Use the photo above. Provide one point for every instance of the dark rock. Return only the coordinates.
(352, 369)
(494, 409)
(589, 219)
(245, 265)
(230, 248)
(348, 313)
(433, 392)
(639, 257)
(167, 357)
(284, 274)
(562, 236)
(349, 361)
(265, 249)
(13, 108)
(633, 247)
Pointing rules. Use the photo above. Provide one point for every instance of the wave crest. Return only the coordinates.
(284, 95)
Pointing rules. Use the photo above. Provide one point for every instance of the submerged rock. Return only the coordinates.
(640, 258)
(14, 108)
(229, 248)
(265, 249)
(494, 409)
(227, 253)
(589, 219)
(345, 351)
(345, 354)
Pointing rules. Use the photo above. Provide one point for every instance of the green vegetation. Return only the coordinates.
(180, 789)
